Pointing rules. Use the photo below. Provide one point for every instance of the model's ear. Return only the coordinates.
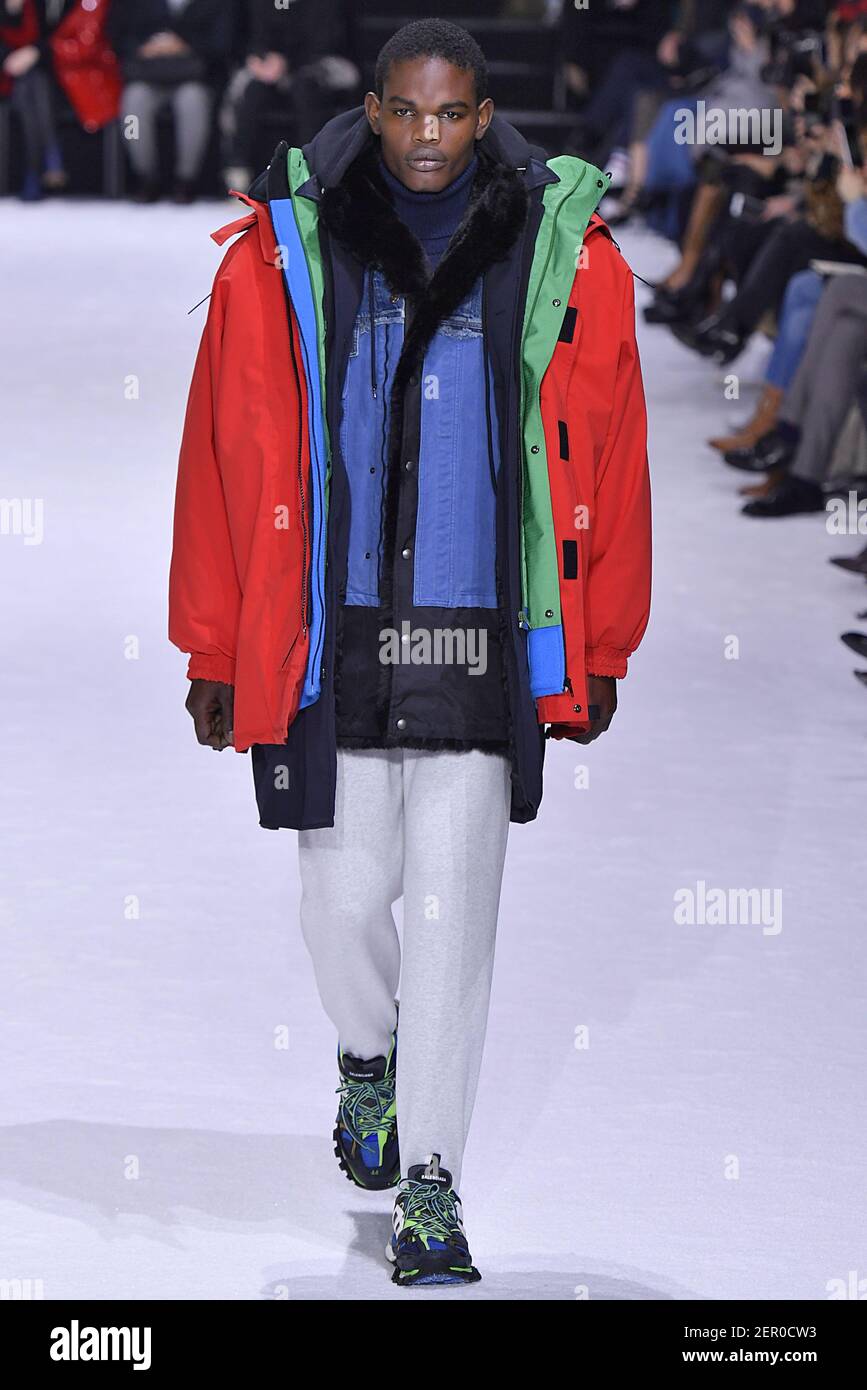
(486, 111)
(372, 108)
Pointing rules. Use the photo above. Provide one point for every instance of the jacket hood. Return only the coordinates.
(342, 139)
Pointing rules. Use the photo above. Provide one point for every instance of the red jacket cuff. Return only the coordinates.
(605, 661)
(211, 667)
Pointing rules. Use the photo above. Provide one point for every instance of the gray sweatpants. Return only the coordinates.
(191, 103)
(826, 383)
(432, 826)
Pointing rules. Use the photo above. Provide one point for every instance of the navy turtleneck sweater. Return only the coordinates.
(432, 217)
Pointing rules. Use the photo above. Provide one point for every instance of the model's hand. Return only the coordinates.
(601, 695)
(668, 52)
(163, 45)
(21, 60)
(212, 706)
(851, 183)
(269, 69)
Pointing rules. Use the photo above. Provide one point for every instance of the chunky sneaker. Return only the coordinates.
(365, 1135)
(428, 1245)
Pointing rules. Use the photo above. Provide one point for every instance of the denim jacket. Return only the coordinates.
(455, 541)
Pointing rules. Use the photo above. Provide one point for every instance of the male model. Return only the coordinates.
(412, 533)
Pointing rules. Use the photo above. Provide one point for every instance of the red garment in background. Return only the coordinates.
(85, 64)
(18, 35)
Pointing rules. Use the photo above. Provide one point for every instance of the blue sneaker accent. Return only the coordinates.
(365, 1135)
(428, 1243)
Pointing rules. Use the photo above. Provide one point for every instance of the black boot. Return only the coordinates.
(716, 337)
(148, 191)
(857, 642)
(183, 191)
(674, 306)
(776, 449)
(855, 564)
(791, 496)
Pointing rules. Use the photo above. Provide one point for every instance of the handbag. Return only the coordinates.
(170, 68)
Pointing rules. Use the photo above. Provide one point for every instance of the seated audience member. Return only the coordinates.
(26, 82)
(173, 53)
(298, 63)
(799, 450)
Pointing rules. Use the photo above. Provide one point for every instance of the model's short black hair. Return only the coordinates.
(434, 38)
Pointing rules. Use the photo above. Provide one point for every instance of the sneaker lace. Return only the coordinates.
(429, 1207)
(365, 1104)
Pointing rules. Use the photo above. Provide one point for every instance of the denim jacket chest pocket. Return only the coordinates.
(388, 310)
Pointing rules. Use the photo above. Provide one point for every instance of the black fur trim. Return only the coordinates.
(437, 745)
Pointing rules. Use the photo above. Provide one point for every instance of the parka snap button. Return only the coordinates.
(401, 723)
(408, 465)
(557, 303)
(406, 553)
(534, 449)
(549, 612)
(577, 709)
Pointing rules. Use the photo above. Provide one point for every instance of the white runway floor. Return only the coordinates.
(154, 1142)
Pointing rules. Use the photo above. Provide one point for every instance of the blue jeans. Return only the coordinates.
(796, 319)
(670, 170)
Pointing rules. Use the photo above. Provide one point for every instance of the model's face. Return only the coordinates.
(428, 122)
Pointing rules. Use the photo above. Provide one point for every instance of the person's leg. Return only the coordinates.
(44, 105)
(24, 100)
(800, 305)
(610, 106)
(829, 375)
(311, 103)
(143, 100)
(790, 250)
(192, 103)
(350, 876)
(706, 207)
(456, 826)
(243, 106)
